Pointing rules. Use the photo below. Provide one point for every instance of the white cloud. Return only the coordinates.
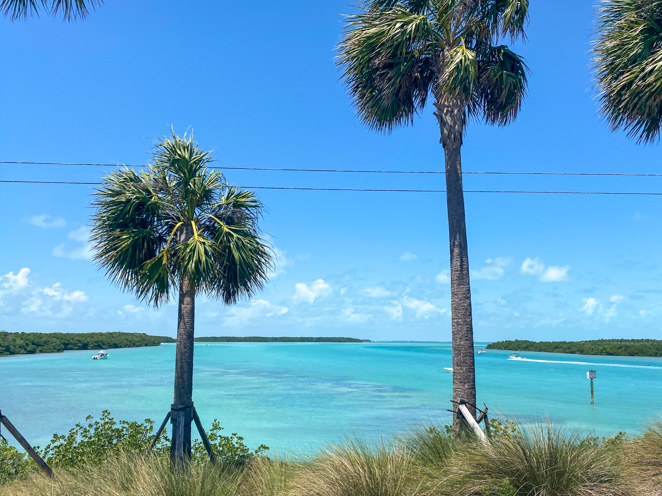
(590, 305)
(376, 292)
(492, 270)
(616, 299)
(350, 315)
(81, 252)
(132, 308)
(12, 282)
(258, 309)
(394, 311)
(304, 293)
(443, 277)
(408, 256)
(554, 273)
(281, 262)
(47, 221)
(423, 309)
(550, 273)
(58, 293)
(532, 267)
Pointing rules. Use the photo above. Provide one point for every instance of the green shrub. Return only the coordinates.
(91, 443)
(543, 461)
(13, 464)
(228, 449)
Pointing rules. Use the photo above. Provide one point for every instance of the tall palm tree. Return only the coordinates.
(178, 226)
(628, 66)
(69, 9)
(396, 55)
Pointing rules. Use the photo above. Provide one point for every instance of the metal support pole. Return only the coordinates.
(592, 401)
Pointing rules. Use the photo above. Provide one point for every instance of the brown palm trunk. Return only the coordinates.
(451, 121)
(181, 411)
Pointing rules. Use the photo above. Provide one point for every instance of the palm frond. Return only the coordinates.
(460, 73)
(628, 66)
(388, 58)
(501, 86)
(70, 10)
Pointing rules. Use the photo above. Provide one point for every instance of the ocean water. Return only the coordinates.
(298, 397)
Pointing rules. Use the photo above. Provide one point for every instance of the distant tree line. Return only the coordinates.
(19, 343)
(261, 339)
(614, 347)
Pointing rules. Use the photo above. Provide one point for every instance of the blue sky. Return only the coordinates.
(259, 87)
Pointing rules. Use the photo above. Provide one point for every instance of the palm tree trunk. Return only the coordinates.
(183, 401)
(451, 122)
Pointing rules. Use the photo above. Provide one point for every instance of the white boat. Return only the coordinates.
(448, 369)
(100, 356)
(482, 350)
(515, 356)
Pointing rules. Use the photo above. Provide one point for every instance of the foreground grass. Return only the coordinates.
(543, 460)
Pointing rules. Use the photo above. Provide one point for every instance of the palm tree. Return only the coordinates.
(628, 66)
(69, 9)
(397, 54)
(179, 226)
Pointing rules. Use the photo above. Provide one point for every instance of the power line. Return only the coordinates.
(370, 190)
(355, 171)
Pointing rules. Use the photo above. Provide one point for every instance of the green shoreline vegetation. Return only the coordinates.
(105, 457)
(20, 343)
(27, 343)
(608, 347)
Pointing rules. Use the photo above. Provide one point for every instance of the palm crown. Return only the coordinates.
(396, 53)
(628, 64)
(179, 220)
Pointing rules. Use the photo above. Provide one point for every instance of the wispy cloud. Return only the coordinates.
(376, 292)
(545, 273)
(47, 221)
(81, 251)
(493, 269)
(408, 256)
(443, 277)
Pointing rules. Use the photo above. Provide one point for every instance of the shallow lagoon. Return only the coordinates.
(295, 397)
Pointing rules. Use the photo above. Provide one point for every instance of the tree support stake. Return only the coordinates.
(26, 446)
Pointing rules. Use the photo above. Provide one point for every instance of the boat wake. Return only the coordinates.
(591, 363)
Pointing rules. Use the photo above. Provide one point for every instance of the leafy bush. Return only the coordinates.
(13, 464)
(93, 442)
(228, 449)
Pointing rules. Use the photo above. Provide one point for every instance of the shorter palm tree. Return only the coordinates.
(69, 9)
(178, 226)
(628, 66)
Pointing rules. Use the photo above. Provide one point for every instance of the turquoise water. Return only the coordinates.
(298, 397)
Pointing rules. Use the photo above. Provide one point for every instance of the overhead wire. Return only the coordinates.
(354, 171)
(370, 190)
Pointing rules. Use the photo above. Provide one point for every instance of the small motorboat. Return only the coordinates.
(515, 356)
(102, 355)
(482, 350)
(448, 369)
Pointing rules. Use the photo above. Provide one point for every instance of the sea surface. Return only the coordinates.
(297, 398)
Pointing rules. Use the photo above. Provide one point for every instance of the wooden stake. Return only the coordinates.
(592, 402)
(158, 434)
(26, 446)
(203, 435)
(472, 422)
